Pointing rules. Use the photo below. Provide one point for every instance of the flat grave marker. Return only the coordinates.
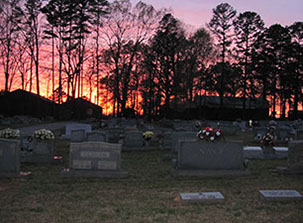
(280, 195)
(202, 197)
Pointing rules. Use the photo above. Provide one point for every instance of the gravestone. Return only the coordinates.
(295, 156)
(283, 133)
(295, 159)
(280, 195)
(179, 136)
(115, 135)
(78, 135)
(38, 151)
(96, 136)
(134, 139)
(202, 197)
(299, 134)
(9, 157)
(94, 159)
(72, 127)
(229, 129)
(202, 158)
(167, 141)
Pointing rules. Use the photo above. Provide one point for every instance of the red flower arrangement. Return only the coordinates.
(209, 134)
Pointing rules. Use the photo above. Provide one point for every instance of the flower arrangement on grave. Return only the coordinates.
(268, 138)
(43, 134)
(209, 134)
(9, 133)
(148, 135)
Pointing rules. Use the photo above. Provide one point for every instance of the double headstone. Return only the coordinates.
(9, 158)
(95, 159)
(202, 158)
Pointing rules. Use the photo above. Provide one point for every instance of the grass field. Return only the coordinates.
(147, 195)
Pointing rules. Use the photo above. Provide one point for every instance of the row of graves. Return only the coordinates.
(200, 149)
(16, 148)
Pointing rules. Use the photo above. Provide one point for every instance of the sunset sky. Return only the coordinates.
(199, 12)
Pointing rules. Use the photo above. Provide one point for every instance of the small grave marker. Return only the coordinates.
(203, 197)
(280, 195)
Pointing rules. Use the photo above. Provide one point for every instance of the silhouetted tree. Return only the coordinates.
(167, 45)
(124, 31)
(9, 35)
(248, 26)
(220, 25)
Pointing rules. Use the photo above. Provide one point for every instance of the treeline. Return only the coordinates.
(137, 57)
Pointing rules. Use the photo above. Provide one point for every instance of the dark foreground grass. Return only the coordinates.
(147, 195)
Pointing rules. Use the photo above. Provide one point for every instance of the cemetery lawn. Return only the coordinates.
(149, 194)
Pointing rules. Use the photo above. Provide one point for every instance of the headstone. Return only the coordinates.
(295, 159)
(9, 157)
(38, 151)
(179, 136)
(96, 136)
(95, 159)
(280, 195)
(283, 133)
(202, 158)
(299, 134)
(78, 135)
(229, 129)
(167, 140)
(202, 197)
(115, 135)
(133, 139)
(295, 156)
(70, 127)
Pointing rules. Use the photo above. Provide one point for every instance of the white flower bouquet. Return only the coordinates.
(9, 133)
(43, 134)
